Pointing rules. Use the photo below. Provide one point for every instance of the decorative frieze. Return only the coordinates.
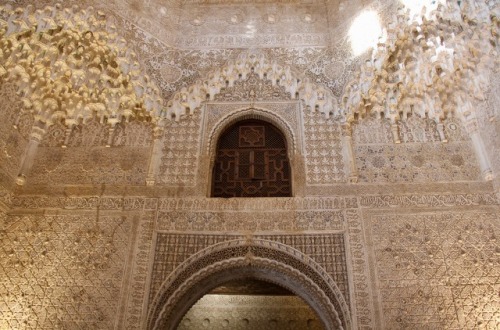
(249, 204)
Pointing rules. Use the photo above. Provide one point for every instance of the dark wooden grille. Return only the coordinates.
(251, 161)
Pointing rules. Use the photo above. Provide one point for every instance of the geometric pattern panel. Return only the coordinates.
(61, 272)
(179, 162)
(328, 250)
(323, 149)
(173, 249)
(438, 270)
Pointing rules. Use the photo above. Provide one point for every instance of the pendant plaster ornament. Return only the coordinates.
(433, 65)
(314, 97)
(70, 64)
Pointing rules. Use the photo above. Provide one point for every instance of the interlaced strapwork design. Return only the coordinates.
(251, 161)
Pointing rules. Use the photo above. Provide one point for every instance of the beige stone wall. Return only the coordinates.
(250, 312)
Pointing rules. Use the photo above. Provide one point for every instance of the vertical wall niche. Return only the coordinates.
(251, 161)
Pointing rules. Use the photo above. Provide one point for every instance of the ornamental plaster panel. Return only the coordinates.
(173, 68)
(218, 205)
(181, 152)
(360, 286)
(401, 188)
(271, 221)
(436, 269)
(62, 270)
(417, 163)
(137, 293)
(323, 149)
(90, 166)
(252, 25)
(87, 158)
(331, 67)
(420, 157)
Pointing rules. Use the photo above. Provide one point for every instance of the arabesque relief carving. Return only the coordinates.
(109, 122)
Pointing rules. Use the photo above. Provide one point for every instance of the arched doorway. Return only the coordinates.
(248, 303)
(262, 260)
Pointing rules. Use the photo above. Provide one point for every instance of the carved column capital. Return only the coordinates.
(395, 133)
(37, 133)
(346, 129)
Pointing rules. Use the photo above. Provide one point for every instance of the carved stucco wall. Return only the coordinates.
(453, 295)
(435, 269)
(88, 161)
(62, 270)
(419, 230)
(415, 260)
(420, 157)
(184, 162)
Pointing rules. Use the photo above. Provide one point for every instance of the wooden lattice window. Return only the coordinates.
(251, 161)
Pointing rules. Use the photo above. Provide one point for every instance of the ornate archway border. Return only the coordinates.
(262, 259)
(250, 113)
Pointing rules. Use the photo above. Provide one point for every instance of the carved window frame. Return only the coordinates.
(254, 139)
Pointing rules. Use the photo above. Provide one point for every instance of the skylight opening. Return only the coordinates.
(365, 32)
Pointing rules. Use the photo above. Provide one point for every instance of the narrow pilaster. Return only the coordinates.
(477, 141)
(349, 151)
(155, 160)
(29, 154)
(442, 136)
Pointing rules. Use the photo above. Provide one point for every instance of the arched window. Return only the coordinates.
(251, 161)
